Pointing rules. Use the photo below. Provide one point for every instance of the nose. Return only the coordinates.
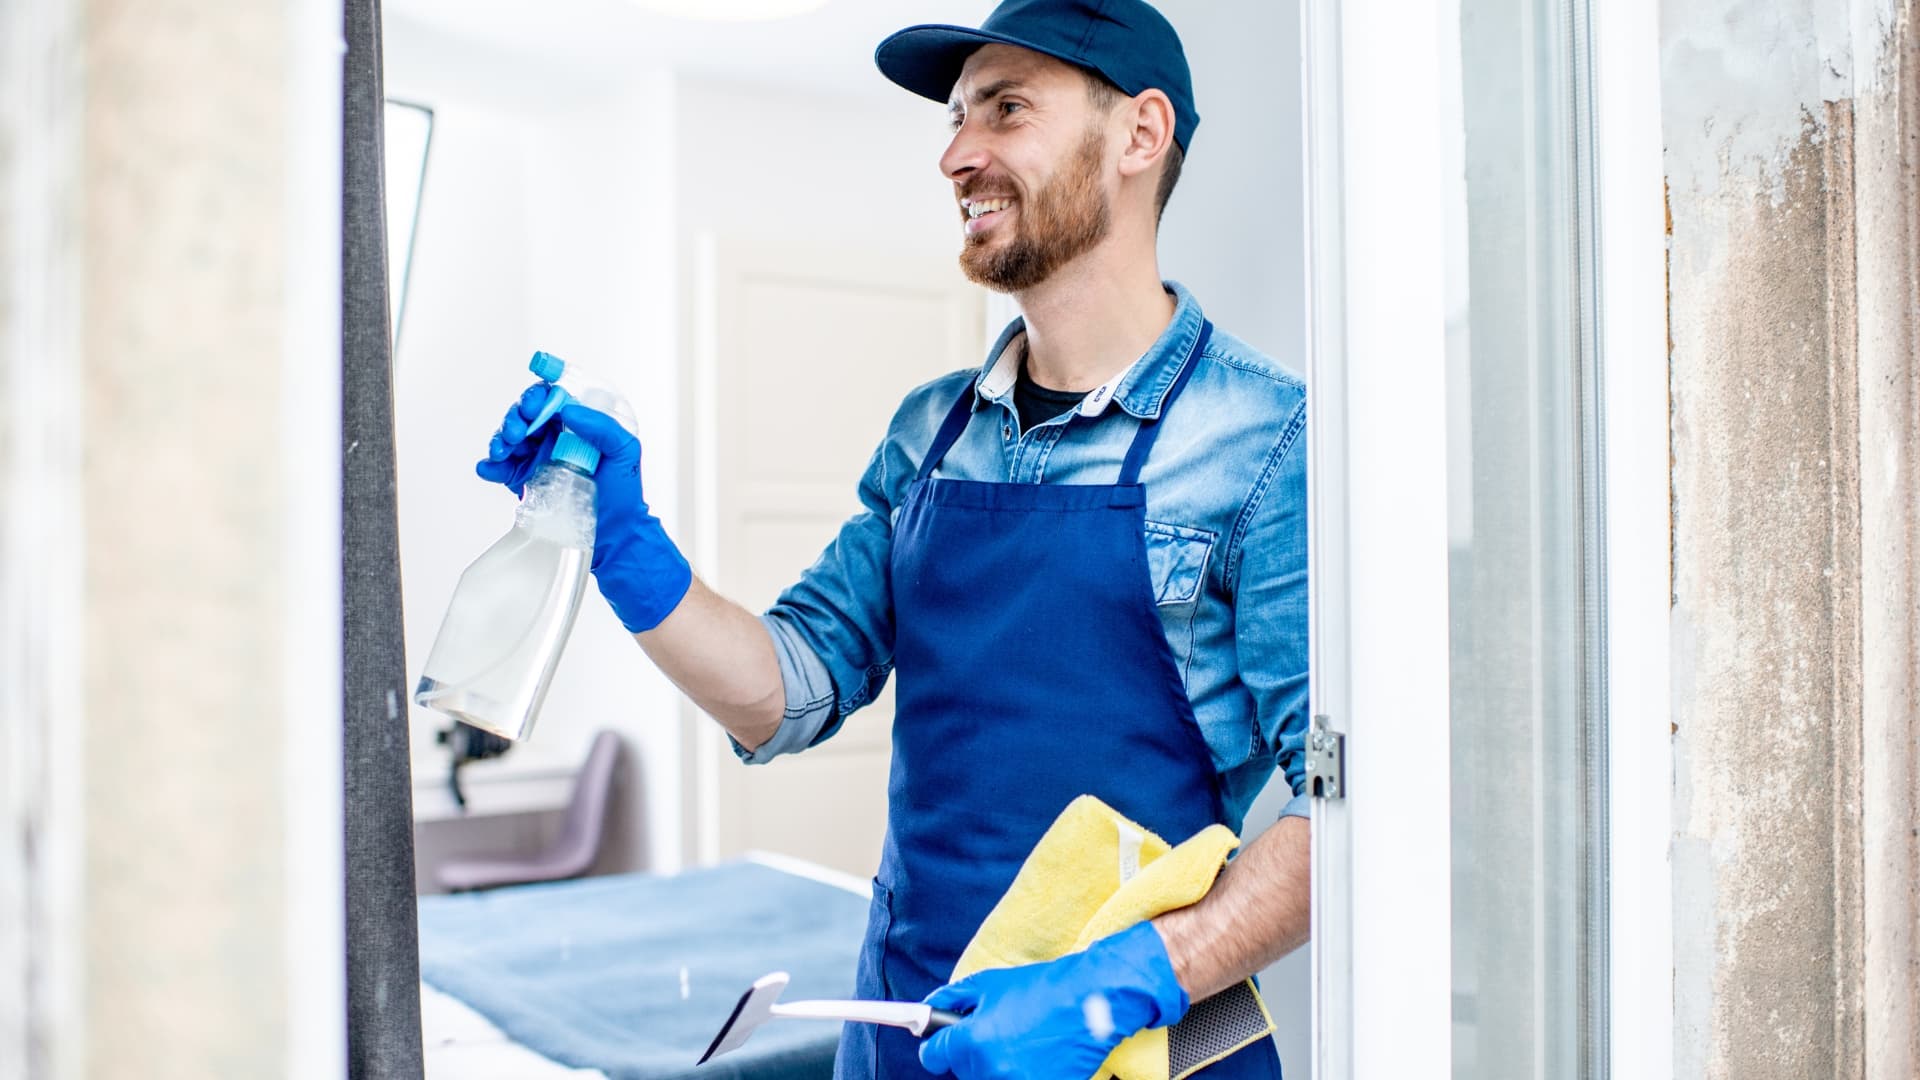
(965, 155)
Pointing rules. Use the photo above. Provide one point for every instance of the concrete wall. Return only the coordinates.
(182, 293)
(175, 692)
(1791, 141)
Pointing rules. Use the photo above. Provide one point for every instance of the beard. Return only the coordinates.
(1058, 224)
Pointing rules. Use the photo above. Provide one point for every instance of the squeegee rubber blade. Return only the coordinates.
(726, 1029)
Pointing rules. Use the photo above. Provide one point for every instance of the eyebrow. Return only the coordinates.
(986, 93)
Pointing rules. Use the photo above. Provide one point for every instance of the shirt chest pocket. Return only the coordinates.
(1177, 561)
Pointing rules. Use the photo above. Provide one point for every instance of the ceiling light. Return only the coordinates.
(732, 10)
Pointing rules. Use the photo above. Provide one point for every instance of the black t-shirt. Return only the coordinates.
(1038, 404)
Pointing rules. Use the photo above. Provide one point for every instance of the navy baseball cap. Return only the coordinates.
(1129, 43)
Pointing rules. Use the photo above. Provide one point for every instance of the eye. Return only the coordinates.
(1007, 107)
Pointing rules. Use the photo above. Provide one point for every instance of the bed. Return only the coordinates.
(628, 977)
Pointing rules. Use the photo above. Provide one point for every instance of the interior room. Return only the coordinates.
(739, 223)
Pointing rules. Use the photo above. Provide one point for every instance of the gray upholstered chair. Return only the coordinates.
(571, 853)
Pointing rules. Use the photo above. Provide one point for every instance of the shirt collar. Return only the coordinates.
(1140, 388)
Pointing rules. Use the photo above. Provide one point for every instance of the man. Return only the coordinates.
(1087, 562)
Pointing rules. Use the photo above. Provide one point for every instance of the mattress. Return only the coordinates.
(628, 977)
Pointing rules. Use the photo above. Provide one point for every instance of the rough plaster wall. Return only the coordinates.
(1793, 500)
(1754, 621)
(184, 143)
(1755, 610)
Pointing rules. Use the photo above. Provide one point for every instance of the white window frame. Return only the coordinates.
(1630, 182)
(1382, 934)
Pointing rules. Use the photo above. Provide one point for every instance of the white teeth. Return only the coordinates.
(987, 206)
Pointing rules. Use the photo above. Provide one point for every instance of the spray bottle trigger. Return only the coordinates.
(557, 399)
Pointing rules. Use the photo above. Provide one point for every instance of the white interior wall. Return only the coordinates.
(815, 167)
(541, 227)
(560, 210)
(1234, 231)
(790, 169)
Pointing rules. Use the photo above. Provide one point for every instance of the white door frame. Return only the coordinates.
(1382, 931)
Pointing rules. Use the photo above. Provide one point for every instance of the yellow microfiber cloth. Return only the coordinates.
(1093, 874)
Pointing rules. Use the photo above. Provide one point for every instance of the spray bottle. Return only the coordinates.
(504, 630)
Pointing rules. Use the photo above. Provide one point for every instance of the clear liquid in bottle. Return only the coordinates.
(504, 630)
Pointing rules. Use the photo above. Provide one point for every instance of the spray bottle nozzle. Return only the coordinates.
(547, 367)
(568, 448)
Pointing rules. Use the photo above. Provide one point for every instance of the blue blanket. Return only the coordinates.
(589, 972)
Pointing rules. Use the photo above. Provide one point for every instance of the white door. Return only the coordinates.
(1489, 484)
(801, 357)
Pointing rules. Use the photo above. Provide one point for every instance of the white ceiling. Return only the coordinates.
(830, 50)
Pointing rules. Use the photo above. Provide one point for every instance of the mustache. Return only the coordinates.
(991, 187)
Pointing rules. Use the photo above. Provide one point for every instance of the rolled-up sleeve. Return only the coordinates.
(1270, 610)
(832, 630)
(809, 693)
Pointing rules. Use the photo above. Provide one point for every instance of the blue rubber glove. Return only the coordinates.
(638, 568)
(513, 457)
(1058, 1020)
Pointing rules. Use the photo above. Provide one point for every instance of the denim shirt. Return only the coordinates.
(1226, 539)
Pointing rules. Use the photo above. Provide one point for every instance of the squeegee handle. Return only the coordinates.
(914, 1016)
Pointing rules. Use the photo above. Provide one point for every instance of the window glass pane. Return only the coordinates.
(409, 128)
(1523, 761)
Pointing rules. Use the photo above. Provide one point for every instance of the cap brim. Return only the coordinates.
(928, 59)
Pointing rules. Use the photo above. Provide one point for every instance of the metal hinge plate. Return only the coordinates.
(1326, 761)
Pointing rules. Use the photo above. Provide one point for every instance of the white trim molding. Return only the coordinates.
(1630, 174)
(311, 627)
(42, 584)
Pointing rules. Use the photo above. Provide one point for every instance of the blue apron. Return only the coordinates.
(1033, 669)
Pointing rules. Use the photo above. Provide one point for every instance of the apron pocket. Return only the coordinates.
(1177, 561)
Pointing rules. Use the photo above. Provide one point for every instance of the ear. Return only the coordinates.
(1149, 132)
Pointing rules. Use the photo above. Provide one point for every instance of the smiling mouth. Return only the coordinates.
(983, 214)
(978, 208)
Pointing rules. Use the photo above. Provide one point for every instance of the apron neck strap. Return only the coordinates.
(949, 431)
(1150, 427)
(962, 411)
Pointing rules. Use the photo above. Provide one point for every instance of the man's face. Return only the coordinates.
(1029, 167)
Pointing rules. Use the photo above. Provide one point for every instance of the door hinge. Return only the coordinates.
(1326, 761)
